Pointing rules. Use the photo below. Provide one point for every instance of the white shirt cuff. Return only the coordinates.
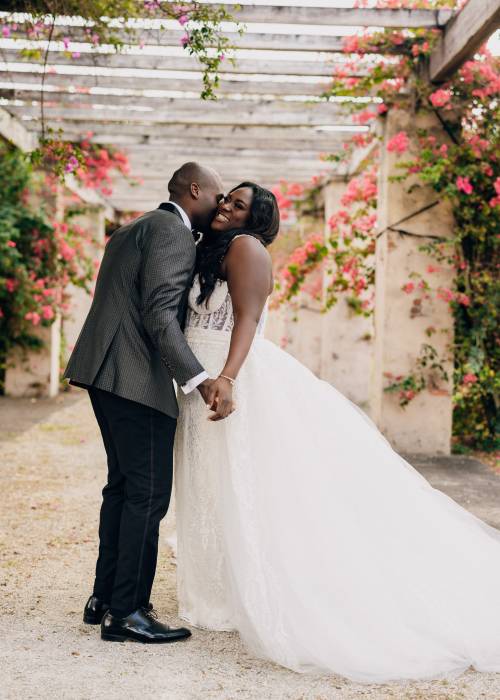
(194, 382)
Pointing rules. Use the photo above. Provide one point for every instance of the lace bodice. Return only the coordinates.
(217, 315)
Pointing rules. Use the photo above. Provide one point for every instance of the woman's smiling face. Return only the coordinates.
(233, 211)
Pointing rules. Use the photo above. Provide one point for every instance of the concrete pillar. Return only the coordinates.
(36, 372)
(93, 220)
(424, 426)
(297, 327)
(347, 338)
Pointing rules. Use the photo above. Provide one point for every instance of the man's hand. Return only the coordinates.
(208, 393)
(223, 404)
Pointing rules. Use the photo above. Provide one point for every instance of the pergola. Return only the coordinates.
(269, 121)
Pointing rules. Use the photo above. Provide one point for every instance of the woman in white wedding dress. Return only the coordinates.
(298, 525)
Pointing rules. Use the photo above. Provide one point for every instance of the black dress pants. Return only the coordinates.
(139, 443)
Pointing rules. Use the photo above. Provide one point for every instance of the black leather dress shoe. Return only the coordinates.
(140, 626)
(94, 610)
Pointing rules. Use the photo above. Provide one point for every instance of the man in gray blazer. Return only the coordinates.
(130, 349)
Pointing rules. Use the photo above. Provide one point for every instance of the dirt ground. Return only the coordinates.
(52, 470)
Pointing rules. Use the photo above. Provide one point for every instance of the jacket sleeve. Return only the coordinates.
(167, 265)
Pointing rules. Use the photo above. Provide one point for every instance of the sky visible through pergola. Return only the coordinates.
(269, 121)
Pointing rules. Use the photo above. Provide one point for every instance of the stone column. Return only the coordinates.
(93, 220)
(424, 426)
(35, 373)
(347, 338)
(298, 327)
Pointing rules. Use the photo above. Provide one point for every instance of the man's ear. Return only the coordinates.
(195, 190)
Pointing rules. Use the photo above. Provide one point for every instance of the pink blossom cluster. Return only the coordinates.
(362, 189)
(399, 142)
(286, 193)
(440, 98)
(464, 185)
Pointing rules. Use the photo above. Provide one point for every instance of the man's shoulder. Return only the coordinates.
(160, 219)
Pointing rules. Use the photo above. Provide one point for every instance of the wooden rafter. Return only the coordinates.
(463, 36)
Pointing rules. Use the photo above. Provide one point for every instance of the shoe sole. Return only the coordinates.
(125, 638)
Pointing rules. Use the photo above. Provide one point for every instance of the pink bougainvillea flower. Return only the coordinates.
(469, 378)
(445, 294)
(47, 312)
(34, 317)
(67, 252)
(71, 164)
(399, 142)
(462, 299)
(11, 244)
(440, 98)
(464, 185)
(5, 31)
(495, 202)
(183, 19)
(363, 117)
(408, 288)
(184, 41)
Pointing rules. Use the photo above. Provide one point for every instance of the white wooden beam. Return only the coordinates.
(275, 40)
(14, 131)
(273, 112)
(463, 36)
(60, 88)
(341, 17)
(322, 65)
(159, 135)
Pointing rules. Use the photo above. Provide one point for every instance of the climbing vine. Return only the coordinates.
(40, 255)
(462, 166)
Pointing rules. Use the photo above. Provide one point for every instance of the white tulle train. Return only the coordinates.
(301, 528)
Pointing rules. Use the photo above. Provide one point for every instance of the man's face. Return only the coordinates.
(209, 197)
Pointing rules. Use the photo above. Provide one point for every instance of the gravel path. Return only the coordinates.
(51, 475)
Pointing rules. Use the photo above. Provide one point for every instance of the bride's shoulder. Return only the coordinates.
(244, 246)
(249, 259)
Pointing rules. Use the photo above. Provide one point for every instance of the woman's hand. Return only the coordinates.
(223, 404)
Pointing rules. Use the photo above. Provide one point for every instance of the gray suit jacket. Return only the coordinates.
(132, 342)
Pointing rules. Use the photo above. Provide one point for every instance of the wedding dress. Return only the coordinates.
(301, 528)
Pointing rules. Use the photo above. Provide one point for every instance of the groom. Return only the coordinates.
(130, 349)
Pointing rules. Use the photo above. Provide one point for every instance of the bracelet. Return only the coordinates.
(229, 379)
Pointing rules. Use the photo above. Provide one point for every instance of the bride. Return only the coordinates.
(298, 525)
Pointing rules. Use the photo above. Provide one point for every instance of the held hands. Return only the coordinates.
(218, 396)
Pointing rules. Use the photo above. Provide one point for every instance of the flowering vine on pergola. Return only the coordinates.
(145, 96)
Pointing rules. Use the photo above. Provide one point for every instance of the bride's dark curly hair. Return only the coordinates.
(263, 223)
